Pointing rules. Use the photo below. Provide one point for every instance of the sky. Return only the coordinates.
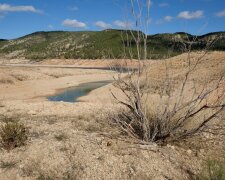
(22, 17)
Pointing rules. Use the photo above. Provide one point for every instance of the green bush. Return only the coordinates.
(214, 170)
(12, 135)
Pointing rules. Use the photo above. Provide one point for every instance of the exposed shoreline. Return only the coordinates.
(61, 90)
(83, 135)
(28, 94)
(45, 86)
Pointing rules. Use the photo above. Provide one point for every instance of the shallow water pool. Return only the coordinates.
(73, 93)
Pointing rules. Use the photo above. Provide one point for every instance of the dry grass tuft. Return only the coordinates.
(61, 137)
(7, 164)
(6, 81)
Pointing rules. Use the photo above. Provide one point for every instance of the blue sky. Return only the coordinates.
(21, 17)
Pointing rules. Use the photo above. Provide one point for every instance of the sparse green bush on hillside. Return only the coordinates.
(103, 44)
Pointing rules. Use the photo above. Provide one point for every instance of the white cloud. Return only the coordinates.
(191, 15)
(123, 24)
(168, 18)
(163, 5)
(165, 19)
(73, 23)
(103, 25)
(221, 13)
(4, 8)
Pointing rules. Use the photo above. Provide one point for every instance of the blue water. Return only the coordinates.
(73, 93)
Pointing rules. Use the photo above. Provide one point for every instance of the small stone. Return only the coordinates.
(189, 151)
(170, 146)
(99, 140)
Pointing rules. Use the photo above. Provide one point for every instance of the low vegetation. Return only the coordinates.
(12, 135)
(61, 137)
(6, 81)
(213, 170)
(7, 164)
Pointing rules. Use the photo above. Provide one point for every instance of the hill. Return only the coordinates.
(100, 44)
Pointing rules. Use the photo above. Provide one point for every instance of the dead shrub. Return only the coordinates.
(12, 135)
(183, 101)
(175, 115)
(20, 77)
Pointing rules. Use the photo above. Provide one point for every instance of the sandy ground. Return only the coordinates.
(77, 140)
(24, 90)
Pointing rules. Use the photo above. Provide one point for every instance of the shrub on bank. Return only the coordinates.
(12, 135)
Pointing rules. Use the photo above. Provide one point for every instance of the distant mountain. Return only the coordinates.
(102, 44)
